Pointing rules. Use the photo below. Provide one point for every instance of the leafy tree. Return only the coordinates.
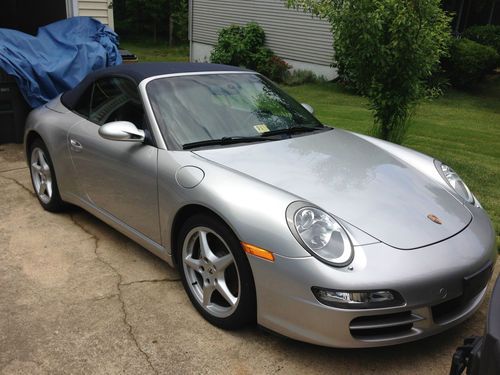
(386, 49)
(179, 20)
(167, 18)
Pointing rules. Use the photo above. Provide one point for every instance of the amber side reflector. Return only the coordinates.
(258, 252)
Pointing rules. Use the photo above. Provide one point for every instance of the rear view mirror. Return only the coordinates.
(121, 131)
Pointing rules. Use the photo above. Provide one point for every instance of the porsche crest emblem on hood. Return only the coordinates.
(434, 219)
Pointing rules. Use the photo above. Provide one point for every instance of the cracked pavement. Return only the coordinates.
(78, 297)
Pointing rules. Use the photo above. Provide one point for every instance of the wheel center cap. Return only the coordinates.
(211, 271)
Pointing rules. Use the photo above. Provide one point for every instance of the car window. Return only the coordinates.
(204, 107)
(83, 105)
(116, 99)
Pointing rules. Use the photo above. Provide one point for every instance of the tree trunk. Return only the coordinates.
(467, 13)
(493, 3)
(168, 19)
(154, 32)
(170, 31)
(459, 17)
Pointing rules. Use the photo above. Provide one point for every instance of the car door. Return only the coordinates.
(117, 177)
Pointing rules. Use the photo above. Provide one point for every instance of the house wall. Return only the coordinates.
(101, 10)
(302, 40)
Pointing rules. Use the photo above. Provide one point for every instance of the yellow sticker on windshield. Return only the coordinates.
(261, 128)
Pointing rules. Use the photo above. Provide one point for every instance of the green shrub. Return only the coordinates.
(254, 36)
(469, 62)
(386, 50)
(437, 84)
(301, 77)
(244, 46)
(275, 69)
(258, 60)
(489, 35)
(232, 47)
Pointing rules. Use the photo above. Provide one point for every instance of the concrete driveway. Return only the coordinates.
(78, 297)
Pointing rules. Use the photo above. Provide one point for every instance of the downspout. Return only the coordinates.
(71, 8)
(75, 8)
(190, 29)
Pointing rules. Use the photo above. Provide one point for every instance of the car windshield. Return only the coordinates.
(198, 108)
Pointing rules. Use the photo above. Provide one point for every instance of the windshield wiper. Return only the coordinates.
(224, 141)
(263, 137)
(294, 130)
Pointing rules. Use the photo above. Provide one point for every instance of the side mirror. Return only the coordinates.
(121, 131)
(308, 107)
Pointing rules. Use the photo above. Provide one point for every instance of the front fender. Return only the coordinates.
(255, 211)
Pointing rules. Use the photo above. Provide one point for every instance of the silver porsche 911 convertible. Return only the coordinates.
(313, 232)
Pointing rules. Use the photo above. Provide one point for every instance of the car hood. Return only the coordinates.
(356, 181)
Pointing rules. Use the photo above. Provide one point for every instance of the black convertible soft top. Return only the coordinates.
(138, 72)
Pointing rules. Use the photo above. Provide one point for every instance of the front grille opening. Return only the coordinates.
(387, 325)
(377, 332)
(448, 310)
(472, 286)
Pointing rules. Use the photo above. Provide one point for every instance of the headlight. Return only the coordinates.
(320, 234)
(452, 179)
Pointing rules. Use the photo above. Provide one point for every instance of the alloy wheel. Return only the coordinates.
(211, 272)
(41, 175)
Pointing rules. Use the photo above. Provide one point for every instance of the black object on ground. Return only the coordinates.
(128, 57)
(13, 110)
(481, 355)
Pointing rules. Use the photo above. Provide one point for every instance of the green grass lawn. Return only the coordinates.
(152, 52)
(461, 128)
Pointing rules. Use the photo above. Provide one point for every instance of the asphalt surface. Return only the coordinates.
(77, 297)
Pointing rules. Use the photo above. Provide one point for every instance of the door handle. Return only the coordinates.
(75, 145)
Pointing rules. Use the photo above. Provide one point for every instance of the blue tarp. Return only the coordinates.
(58, 58)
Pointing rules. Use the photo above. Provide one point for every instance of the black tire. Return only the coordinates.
(245, 310)
(54, 203)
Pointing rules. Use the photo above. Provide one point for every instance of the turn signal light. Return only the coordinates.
(257, 251)
(369, 299)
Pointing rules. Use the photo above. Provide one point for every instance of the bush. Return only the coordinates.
(276, 69)
(469, 62)
(386, 50)
(489, 35)
(437, 84)
(259, 60)
(244, 46)
(231, 48)
(300, 77)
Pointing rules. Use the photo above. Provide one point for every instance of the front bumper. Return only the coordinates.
(430, 280)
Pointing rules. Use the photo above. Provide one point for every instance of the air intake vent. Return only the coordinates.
(383, 326)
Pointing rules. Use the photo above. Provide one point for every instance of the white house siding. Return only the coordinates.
(99, 9)
(302, 40)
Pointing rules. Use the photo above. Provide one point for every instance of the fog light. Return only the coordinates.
(368, 299)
